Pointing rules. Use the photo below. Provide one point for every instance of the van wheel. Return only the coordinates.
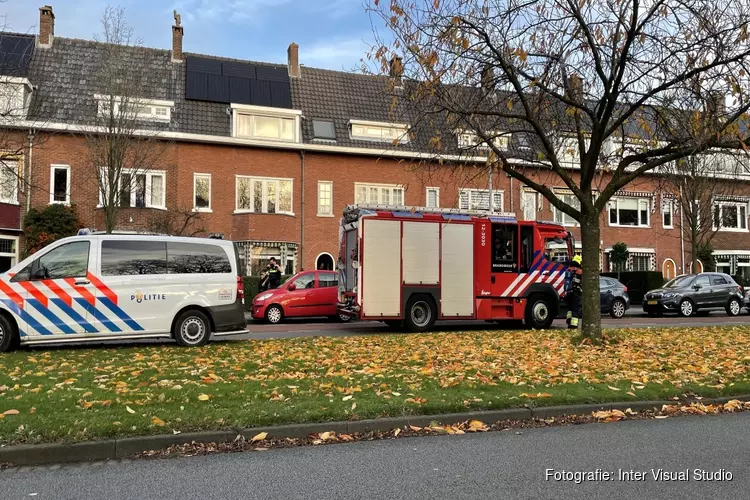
(274, 314)
(192, 329)
(539, 312)
(420, 314)
(9, 339)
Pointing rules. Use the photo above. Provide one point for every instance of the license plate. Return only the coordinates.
(653, 302)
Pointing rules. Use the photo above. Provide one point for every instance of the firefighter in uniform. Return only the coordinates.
(574, 292)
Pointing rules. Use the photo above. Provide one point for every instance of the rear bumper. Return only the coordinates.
(346, 309)
(229, 318)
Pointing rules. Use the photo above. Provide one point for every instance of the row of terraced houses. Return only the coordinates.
(270, 154)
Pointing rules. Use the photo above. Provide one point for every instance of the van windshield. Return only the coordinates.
(680, 282)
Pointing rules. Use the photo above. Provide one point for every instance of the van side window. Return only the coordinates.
(196, 258)
(133, 257)
(504, 247)
(67, 261)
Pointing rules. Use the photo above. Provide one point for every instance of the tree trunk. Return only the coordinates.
(591, 327)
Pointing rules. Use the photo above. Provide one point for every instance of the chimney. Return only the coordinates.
(396, 71)
(46, 26)
(488, 78)
(293, 60)
(177, 32)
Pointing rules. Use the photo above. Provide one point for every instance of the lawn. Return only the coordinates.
(66, 395)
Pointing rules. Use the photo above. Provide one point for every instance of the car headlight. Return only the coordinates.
(263, 297)
(671, 295)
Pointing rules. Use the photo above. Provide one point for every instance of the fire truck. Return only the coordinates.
(411, 266)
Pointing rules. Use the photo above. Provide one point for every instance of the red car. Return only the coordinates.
(306, 294)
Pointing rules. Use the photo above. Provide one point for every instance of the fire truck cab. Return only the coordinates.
(412, 266)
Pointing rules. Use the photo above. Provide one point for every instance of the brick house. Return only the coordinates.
(269, 155)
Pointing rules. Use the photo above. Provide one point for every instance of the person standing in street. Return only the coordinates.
(273, 272)
(574, 292)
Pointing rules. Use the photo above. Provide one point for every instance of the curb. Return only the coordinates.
(39, 454)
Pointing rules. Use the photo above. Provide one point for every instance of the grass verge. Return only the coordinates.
(69, 395)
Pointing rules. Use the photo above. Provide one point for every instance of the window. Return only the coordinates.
(504, 247)
(260, 255)
(8, 252)
(67, 261)
(701, 281)
(641, 263)
(133, 257)
(569, 152)
(325, 198)
(328, 280)
(9, 174)
(60, 184)
(433, 197)
(560, 216)
(257, 122)
(380, 132)
(718, 280)
(522, 140)
(324, 129)
(305, 281)
(379, 194)
(261, 195)
(139, 190)
(15, 96)
(479, 199)
(667, 213)
(730, 216)
(629, 212)
(135, 108)
(527, 249)
(196, 258)
(202, 192)
(471, 140)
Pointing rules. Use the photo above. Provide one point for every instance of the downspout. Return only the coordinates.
(302, 211)
(32, 134)
(682, 237)
(511, 194)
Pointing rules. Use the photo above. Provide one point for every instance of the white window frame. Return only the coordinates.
(7, 164)
(396, 132)
(631, 263)
(567, 220)
(569, 152)
(427, 197)
(640, 202)
(717, 224)
(330, 207)
(470, 140)
(150, 174)
(667, 206)
(369, 185)
(244, 110)
(15, 254)
(15, 97)
(52, 169)
(153, 105)
(537, 202)
(266, 181)
(208, 209)
(473, 192)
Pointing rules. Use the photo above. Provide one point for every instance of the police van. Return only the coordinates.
(95, 287)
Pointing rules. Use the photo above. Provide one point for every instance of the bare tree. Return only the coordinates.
(595, 88)
(119, 157)
(179, 222)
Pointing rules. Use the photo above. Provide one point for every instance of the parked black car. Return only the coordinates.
(687, 294)
(614, 297)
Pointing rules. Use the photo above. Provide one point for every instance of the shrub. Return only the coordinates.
(42, 227)
(639, 282)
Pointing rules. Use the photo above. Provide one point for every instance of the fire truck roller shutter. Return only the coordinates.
(457, 262)
(421, 249)
(381, 273)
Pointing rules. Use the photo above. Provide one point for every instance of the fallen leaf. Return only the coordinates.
(397, 394)
(614, 388)
(158, 421)
(346, 398)
(477, 425)
(325, 436)
(260, 449)
(130, 410)
(354, 406)
(415, 428)
(11, 412)
(630, 393)
(87, 394)
(661, 416)
(346, 437)
(204, 397)
(396, 432)
(259, 437)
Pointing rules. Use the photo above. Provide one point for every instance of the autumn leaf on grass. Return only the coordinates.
(204, 397)
(614, 388)
(535, 396)
(259, 437)
(158, 421)
(346, 398)
(7, 413)
(87, 404)
(130, 410)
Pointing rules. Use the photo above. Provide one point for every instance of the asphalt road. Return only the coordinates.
(492, 465)
(323, 327)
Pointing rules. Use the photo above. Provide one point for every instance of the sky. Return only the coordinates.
(333, 34)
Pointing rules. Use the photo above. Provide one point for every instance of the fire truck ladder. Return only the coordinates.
(427, 210)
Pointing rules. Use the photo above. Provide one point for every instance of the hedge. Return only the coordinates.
(638, 282)
(252, 287)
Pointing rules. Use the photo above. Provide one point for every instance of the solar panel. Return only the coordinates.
(196, 86)
(281, 95)
(239, 90)
(204, 65)
(272, 74)
(218, 88)
(15, 55)
(242, 70)
(260, 92)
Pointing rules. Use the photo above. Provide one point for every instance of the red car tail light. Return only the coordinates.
(625, 289)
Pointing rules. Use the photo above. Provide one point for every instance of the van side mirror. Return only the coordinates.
(292, 287)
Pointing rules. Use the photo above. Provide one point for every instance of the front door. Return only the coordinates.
(301, 300)
(56, 291)
(702, 291)
(328, 284)
(505, 275)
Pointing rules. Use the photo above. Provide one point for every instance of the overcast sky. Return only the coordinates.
(332, 34)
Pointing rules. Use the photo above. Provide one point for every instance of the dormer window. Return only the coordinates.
(135, 108)
(379, 131)
(470, 140)
(15, 96)
(264, 123)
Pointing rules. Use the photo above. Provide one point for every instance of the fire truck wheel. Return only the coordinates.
(539, 312)
(420, 313)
